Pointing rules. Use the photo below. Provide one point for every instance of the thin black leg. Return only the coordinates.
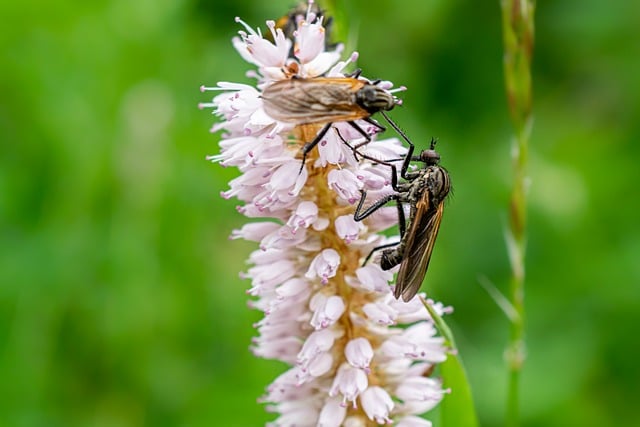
(376, 249)
(356, 73)
(359, 215)
(409, 157)
(402, 222)
(363, 133)
(310, 145)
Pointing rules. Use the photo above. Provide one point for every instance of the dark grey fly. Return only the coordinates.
(425, 190)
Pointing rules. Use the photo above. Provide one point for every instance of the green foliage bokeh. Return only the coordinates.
(120, 301)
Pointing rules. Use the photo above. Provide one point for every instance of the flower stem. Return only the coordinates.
(518, 38)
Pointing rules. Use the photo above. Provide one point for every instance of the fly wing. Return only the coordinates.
(421, 238)
(316, 100)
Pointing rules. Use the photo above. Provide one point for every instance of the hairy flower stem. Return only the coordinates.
(518, 36)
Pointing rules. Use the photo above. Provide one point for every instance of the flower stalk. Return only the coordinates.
(518, 38)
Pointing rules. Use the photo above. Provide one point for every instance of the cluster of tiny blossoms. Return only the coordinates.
(333, 320)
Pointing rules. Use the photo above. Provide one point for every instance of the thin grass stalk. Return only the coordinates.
(518, 38)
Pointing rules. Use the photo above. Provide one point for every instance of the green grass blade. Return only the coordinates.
(456, 409)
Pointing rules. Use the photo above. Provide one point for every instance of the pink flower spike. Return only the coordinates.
(326, 316)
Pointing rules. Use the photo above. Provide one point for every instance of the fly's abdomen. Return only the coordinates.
(390, 258)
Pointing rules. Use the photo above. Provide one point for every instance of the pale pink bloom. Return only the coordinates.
(412, 421)
(345, 184)
(374, 178)
(317, 342)
(419, 389)
(306, 214)
(266, 277)
(382, 219)
(418, 342)
(309, 40)
(380, 313)
(355, 421)
(333, 413)
(324, 266)
(347, 228)
(254, 231)
(372, 278)
(317, 366)
(333, 150)
(321, 63)
(282, 238)
(299, 412)
(338, 69)
(359, 353)
(292, 288)
(326, 311)
(377, 404)
(269, 57)
(349, 382)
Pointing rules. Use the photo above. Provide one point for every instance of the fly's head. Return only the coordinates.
(374, 99)
(430, 157)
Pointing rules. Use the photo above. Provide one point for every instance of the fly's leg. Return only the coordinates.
(306, 148)
(356, 73)
(363, 133)
(379, 248)
(361, 214)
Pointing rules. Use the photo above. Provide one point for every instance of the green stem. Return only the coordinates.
(518, 37)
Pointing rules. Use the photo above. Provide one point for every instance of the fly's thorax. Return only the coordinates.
(374, 99)
(404, 187)
(438, 182)
(420, 185)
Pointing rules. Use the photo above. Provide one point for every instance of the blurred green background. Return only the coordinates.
(120, 302)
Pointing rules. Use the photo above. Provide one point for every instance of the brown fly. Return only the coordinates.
(425, 190)
(326, 100)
